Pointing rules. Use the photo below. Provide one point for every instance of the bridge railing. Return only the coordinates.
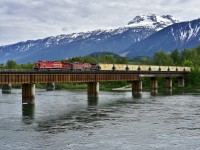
(16, 70)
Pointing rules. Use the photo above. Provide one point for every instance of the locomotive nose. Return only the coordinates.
(37, 65)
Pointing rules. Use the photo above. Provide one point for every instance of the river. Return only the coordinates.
(62, 120)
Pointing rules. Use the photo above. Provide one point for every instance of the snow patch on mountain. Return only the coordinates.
(186, 33)
(124, 54)
(177, 36)
(153, 21)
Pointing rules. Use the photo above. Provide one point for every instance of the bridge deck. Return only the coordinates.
(87, 76)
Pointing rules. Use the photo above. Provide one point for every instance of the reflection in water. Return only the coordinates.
(28, 113)
(115, 121)
(165, 93)
(93, 103)
(88, 118)
(154, 93)
(137, 95)
(168, 92)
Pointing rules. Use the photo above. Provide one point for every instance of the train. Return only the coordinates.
(79, 66)
(65, 66)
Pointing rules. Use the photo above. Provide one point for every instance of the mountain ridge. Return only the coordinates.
(177, 36)
(81, 44)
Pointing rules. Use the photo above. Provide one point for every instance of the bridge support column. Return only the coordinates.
(6, 88)
(28, 93)
(181, 82)
(136, 87)
(154, 86)
(50, 86)
(169, 85)
(93, 90)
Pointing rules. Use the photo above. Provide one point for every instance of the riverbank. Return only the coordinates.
(116, 86)
(124, 86)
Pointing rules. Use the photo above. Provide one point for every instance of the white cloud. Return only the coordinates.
(32, 19)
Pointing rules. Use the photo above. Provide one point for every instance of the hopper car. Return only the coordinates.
(79, 66)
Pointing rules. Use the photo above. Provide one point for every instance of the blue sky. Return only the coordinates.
(22, 20)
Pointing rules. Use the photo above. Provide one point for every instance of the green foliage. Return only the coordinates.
(75, 59)
(97, 55)
(140, 60)
(194, 77)
(11, 64)
(191, 55)
(1, 66)
(110, 85)
(109, 59)
(187, 63)
(176, 57)
(187, 57)
(71, 86)
(99, 58)
(162, 58)
(89, 59)
(122, 60)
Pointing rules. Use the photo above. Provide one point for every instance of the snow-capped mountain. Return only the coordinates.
(81, 44)
(153, 21)
(176, 36)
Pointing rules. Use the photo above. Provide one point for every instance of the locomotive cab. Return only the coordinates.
(37, 66)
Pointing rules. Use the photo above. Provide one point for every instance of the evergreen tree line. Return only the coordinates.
(13, 65)
(109, 59)
(187, 57)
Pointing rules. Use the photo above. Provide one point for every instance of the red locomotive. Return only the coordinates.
(67, 66)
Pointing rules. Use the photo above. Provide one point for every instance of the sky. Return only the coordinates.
(22, 20)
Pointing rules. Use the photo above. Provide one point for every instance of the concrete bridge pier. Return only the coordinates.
(93, 90)
(28, 93)
(6, 88)
(50, 86)
(154, 86)
(168, 85)
(136, 87)
(181, 82)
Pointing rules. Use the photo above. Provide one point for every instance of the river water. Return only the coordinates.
(62, 120)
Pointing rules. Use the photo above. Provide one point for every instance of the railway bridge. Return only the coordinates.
(28, 79)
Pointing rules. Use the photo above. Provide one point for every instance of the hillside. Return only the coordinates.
(81, 44)
(177, 36)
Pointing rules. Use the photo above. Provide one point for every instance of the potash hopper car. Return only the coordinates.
(125, 67)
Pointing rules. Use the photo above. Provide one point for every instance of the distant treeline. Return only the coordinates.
(13, 65)
(187, 57)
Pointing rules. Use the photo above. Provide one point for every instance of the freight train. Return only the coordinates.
(79, 66)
